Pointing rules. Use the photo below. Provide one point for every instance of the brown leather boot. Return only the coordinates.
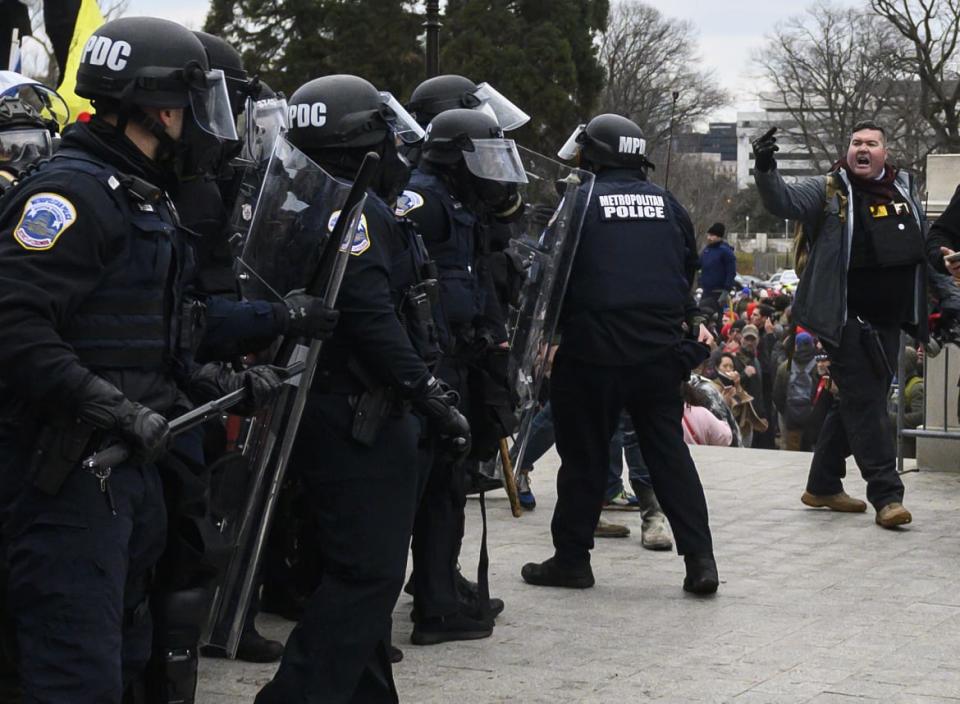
(893, 515)
(605, 529)
(835, 502)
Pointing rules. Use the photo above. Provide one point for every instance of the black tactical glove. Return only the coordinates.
(104, 406)
(540, 214)
(764, 147)
(306, 316)
(439, 405)
(216, 379)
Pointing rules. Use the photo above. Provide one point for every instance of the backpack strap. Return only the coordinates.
(802, 241)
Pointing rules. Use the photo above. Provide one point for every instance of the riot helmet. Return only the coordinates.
(31, 114)
(336, 119)
(343, 111)
(468, 150)
(450, 92)
(205, 153)
(144, 62)
(608, 140)
(221, 56)
(477, 139)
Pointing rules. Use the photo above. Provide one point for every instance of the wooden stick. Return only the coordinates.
(509, 481)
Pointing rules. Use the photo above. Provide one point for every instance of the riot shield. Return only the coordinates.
(263, 123)
(557, 195)
(290, 244)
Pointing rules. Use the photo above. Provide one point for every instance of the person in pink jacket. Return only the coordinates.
(701, 427)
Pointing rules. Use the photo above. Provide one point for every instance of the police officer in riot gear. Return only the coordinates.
(184, 584)
(452, 92)
(370, 379)
(623, 346)
(97, 347)
(205, 201)
(467, 174)
(31, 115)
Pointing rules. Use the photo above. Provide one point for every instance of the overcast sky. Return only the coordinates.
(729, 30)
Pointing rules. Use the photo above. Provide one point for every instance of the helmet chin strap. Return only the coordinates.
(168, 146)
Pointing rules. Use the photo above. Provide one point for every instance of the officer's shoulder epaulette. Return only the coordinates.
(407, 202)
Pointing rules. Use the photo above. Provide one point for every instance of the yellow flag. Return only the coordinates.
(89, 20)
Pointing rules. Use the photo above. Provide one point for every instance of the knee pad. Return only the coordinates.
(181, 615)
(179, 619)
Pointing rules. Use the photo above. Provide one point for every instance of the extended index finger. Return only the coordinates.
(769, 133)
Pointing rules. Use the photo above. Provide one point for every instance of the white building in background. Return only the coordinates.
(792, 160)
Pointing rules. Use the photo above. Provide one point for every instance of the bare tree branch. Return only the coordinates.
(832, 67)
(931, 30)
(646, 57)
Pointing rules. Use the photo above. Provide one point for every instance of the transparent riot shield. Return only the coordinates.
(557, 195)
(297, 239)
(262, 123)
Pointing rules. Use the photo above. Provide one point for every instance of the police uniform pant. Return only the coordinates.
(858, 423)
(364, 498)
(79, 577)
(587, 400)
(439, 525)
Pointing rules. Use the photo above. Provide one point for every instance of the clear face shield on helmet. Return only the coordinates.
(24, 146)
(495, 160)
(401, 122)
(262, 122)
(571, 148)
(47, 102)
(210, 102)
(507, 113)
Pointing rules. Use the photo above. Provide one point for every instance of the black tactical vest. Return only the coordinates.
(885, 235)
(462, 296)
(137, 318)
(631, 253)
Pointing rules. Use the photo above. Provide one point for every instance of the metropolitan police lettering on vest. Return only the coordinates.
(632, 206)
(629, 334)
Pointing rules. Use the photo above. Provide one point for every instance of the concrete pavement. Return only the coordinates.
(813, 606)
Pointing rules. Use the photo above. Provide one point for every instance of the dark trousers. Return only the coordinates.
(78, 577)
(858, 423)
(624, 444)
(364, 499)
(587, 400)
(439, 525)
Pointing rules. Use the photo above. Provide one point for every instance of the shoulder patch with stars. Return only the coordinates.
(408, 201)
(45, 217)
(361, 240)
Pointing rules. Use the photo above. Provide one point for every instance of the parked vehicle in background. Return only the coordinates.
(747, 281)
(786, 277)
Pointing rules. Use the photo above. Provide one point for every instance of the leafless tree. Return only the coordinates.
(832, 67)
(708, 195)
(931, 29)
(646, 57)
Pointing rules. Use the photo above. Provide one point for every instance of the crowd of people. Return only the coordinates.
(150, 392)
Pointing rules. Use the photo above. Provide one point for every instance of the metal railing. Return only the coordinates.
(946, 433)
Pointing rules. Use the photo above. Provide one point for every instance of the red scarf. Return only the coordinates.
(880, 190)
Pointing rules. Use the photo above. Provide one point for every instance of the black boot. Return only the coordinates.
(396, 655)
(252, 647)
(459, 626)
(702, 575)
(551, 574)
